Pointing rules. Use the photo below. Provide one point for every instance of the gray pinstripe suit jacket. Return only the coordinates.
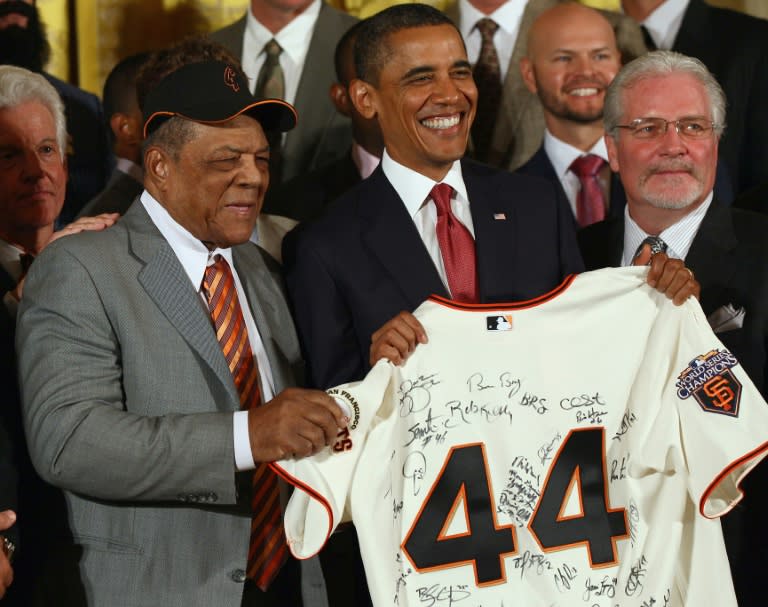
(127, 403)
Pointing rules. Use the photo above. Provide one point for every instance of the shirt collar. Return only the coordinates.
(365, 162)
(293, 38)
(664, 22)
(414, 188)
(507, 16)
(10, 259)
(129, 167)
(678, 237)
(562, 154)
(191, 252)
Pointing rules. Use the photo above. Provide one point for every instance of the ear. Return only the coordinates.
(363, 97)
(613, 152)
(119, 125)
(340, 98)
(157, 167)
(529, 78)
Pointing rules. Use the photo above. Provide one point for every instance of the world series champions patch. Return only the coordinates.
(709, 379)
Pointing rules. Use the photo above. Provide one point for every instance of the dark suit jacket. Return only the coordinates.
(90, 159)
(729, 257)
(541, 166)
(322, 134)
(734, 47)
(9, 408)
(305, 197)
(363, 261)
(120, 192)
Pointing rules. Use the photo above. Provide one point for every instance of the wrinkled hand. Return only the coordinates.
(7, 519)
(296, 423)
(95, 223)
(396, 339)
(84, 224)
(669, 276)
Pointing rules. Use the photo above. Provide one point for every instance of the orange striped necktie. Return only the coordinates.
(268, 549)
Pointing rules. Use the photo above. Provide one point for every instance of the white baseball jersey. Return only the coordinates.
(571, 450)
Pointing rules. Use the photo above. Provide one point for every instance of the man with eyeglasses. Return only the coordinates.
(664, 116)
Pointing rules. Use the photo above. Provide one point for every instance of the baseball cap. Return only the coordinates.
(212, 92)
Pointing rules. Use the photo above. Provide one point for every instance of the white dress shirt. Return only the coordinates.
(664, 22)
(194, 258)
(365, 162)
(562, 155)
(10, 261)
(678, 237)
(294, 39)
(507, 16)
(414, 190)
(129, 167)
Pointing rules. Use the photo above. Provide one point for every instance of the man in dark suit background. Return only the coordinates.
(667, 165)
(572, 58)
(23, 43)
(513, 116)
(734, 47)
(306, 32)
(305, 196)
(124, 121)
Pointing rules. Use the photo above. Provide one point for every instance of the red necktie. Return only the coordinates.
(590, 201)
(457, 247)
(487, 75)
(268, 550)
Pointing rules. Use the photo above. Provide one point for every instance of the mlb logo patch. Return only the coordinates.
(709, 379)
(501, 322)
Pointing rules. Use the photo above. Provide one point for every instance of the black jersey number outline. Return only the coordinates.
(578, 466)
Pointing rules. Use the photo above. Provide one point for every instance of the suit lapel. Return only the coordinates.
(268, 308)
(710, 254)
(392, 237)
(166, 283)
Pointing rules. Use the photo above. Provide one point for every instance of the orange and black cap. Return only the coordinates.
(212, 92)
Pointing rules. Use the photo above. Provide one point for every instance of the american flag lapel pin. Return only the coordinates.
(500, 216)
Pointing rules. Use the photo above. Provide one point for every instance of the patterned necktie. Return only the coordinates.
(590, 201)
(657, 246)
(270, 83)
(457, 247)
(487, 74)
(268, 549)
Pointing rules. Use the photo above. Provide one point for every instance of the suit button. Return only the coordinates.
(238, 575)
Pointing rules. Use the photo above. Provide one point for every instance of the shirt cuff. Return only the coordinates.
(243, 453)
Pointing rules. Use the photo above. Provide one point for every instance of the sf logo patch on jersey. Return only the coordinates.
(709, 379)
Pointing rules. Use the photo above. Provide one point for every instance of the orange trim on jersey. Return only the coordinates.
(461, 498)
(573, 486)
(726, 471)
(519, 305)
(282, 473)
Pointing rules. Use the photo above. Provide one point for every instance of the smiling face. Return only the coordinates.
(424, 99)
(671, 173)
(572, 58)
(214, 187)
(33, 175)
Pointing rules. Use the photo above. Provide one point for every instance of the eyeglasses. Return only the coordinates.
(695, 127)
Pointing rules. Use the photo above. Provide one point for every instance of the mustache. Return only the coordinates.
(584, 83)
(671, 165)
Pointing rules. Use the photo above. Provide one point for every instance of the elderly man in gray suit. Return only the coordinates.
(287, 46)
(154, 361)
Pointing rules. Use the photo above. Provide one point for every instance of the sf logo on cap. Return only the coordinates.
(230, 79)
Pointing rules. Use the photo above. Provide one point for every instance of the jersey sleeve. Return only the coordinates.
(723, 419)
(323, 481)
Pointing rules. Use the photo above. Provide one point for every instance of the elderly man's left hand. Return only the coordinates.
(670, 276)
